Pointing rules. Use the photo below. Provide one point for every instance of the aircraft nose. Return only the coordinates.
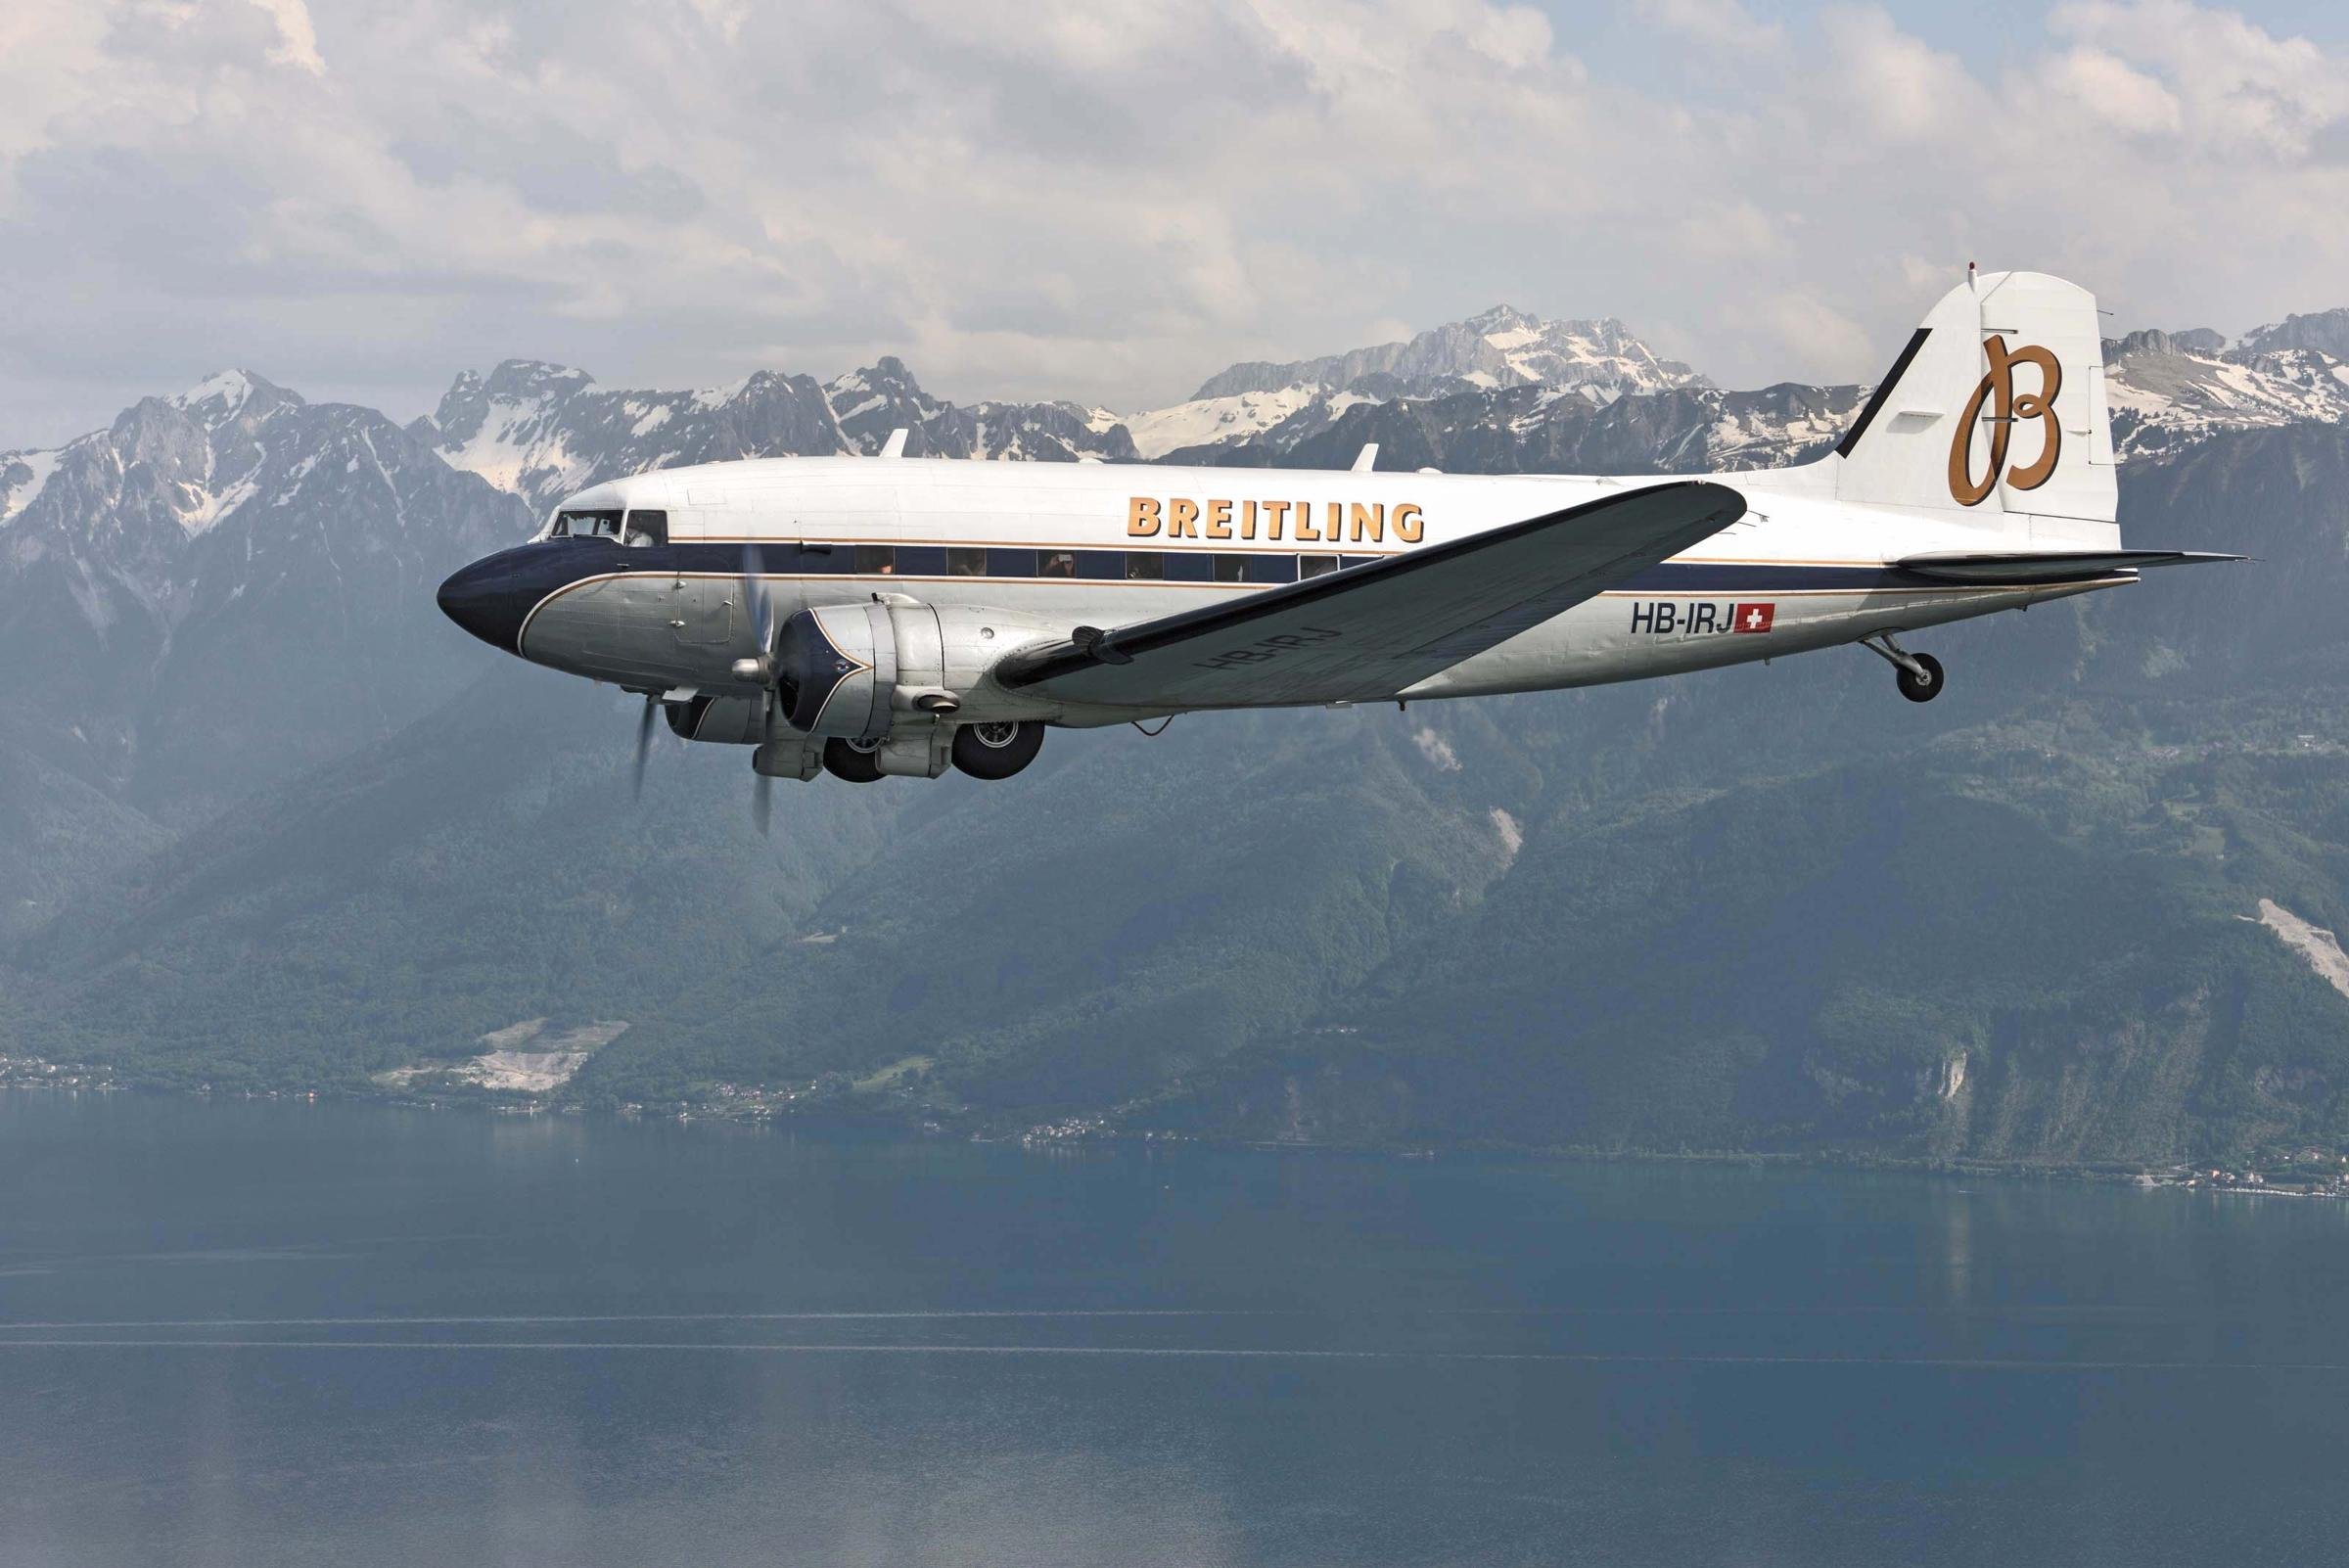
(481, 598)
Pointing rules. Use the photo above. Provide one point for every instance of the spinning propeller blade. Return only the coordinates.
(762, 625)
(644, 740)
(755, 596)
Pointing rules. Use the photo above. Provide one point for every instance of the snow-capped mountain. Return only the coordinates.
(2169, 390)
(1502, 346)
(1597, 361)
(544, 431)
(1555, 429)
(871, 402)
(225, 577)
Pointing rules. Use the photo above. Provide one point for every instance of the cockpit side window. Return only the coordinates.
(586, 525)
(646, 527)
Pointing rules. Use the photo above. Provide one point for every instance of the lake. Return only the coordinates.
(253, 1333)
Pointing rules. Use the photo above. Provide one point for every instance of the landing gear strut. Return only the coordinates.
(1919, 675)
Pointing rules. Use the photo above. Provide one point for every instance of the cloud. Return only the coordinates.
(298, 39)
(1720, 27)
(2108, 87)
(1105, 200)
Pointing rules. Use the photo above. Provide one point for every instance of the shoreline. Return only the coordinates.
(2176, 1176)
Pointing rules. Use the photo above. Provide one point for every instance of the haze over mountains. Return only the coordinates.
(267, 820)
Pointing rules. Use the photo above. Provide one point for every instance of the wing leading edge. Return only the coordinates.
(1373, 630)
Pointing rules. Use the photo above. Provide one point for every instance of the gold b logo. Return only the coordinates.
(2007, 410)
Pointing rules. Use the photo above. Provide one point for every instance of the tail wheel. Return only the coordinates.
(998, 750)
(1920, 687)
(852, 761)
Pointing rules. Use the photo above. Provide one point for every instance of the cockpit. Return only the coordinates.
(636, 526)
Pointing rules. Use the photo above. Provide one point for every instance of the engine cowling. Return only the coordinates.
(859, 670)
(835, 668)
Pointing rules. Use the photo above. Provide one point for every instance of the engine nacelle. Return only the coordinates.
(856, 670)
(727, 720)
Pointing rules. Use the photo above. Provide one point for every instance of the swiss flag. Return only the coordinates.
(1753, 616)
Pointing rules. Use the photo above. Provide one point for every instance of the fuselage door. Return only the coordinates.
(702, 610)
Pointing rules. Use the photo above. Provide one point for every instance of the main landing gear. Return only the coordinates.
(982, 750)
(1919, 675)
(997, 749)
(853, 761)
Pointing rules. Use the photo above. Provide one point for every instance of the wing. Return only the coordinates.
(1372, 631)
(2061, 565)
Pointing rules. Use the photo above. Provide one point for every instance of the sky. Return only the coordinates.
(1109, 201)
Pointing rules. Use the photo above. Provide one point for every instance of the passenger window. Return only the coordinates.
(1231, 569)
(1145, 566)
(1271, 569)
(1011, 563)
(876, 560)
(965, 561)
(1188, 565)
(647, 528)
(1316, 566)
(921, 561)
(1058, 564)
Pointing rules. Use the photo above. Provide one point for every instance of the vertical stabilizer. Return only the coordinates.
(1994, 416)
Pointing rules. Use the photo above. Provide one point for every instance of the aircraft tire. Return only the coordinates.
(996, 751)
(843, 761)
(1924, 688)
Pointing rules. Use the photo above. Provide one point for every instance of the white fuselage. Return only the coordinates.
(1800, 570)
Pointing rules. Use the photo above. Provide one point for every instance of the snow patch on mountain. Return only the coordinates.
(220, 396)
(23, 477)
(1216, 421)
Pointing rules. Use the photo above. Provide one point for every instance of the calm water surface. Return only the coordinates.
(253, 1334)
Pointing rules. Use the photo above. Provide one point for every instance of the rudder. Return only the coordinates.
(1995, 415)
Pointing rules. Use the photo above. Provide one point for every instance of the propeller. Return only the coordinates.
(644, 737)
(762, 609)
(763, 624)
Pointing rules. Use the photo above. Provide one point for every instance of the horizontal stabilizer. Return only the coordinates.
(2056, 566)
(1374, 630)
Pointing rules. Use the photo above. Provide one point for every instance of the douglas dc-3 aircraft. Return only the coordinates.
(883, 616)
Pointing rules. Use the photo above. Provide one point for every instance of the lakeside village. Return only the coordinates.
(2304, 1171)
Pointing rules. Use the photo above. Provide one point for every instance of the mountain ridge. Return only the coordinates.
(268, 822)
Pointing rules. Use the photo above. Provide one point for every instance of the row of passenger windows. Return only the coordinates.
(1097, 566)
(975, 561)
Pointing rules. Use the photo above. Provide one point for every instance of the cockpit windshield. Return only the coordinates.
(586, 525)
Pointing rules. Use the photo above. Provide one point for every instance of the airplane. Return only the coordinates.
(870, 618)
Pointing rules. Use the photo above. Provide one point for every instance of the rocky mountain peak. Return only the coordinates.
(234, 396)
(2201, 342)
(2326, 331)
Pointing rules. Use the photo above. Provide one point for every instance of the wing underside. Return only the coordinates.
(1376, 629)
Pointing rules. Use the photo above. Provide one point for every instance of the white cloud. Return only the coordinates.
(2109, 88)
(298, 39)
(1105, 200)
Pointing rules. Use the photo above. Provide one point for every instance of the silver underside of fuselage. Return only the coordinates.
(665, 631)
